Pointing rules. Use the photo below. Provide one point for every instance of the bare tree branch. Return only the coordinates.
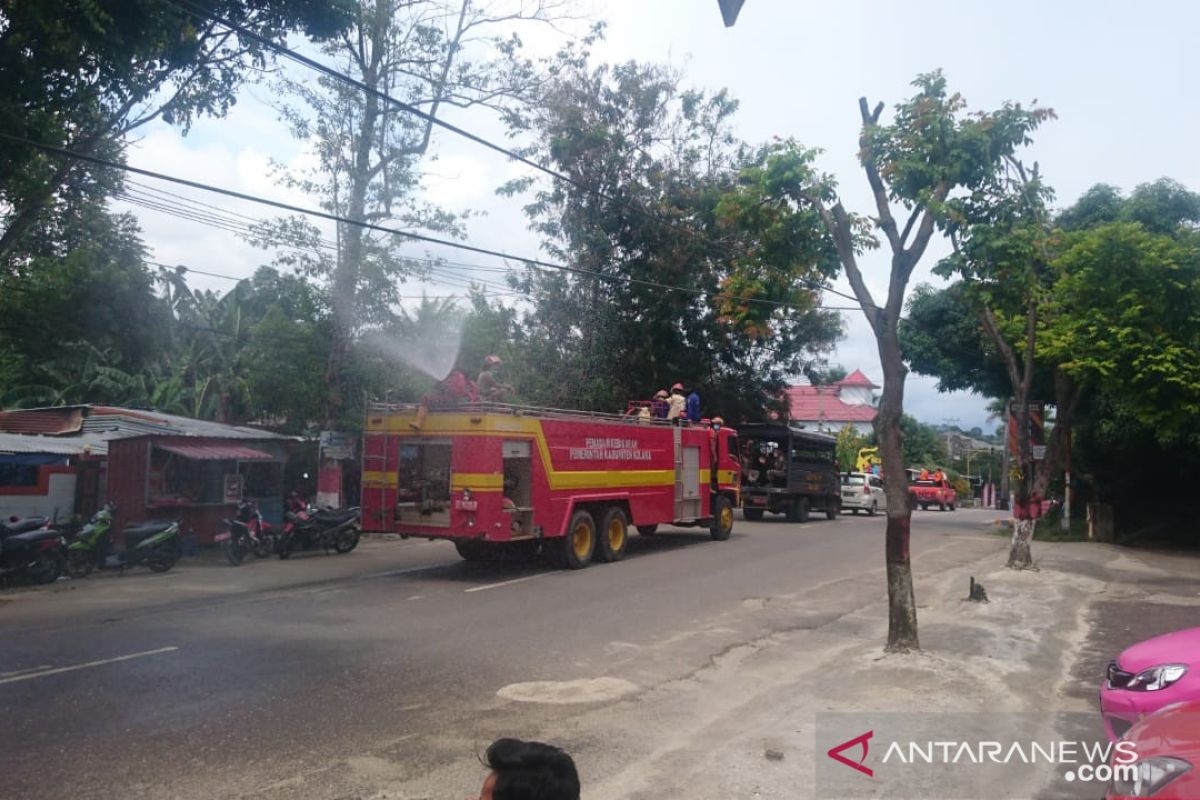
(888, 223)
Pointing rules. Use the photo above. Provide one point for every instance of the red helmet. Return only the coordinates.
(492, 360)
(678, 386)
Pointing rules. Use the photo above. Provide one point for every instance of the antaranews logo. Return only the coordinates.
(864, 740)
(963, 755)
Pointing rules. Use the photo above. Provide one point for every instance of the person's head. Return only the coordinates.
(529, 771)
(717, 422)
(491, 362)
(677, 389)
(661, 394)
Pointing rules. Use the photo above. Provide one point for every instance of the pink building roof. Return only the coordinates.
(821, 404)
(856, 378)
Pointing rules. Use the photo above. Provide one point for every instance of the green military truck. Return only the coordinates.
(788, 472)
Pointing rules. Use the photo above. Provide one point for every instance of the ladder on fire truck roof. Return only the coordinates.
(511, 410)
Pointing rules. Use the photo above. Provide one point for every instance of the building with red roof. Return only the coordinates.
(850, 401)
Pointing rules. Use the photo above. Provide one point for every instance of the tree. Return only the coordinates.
(1003, 243)
(1128, 318)
(428, 54)
(931, 149)
(685, 261)
(1102, 299)
(84, 75)
(849, 442)
(83, 305)
(923, 446)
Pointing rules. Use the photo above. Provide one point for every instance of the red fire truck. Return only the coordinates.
(496, 478)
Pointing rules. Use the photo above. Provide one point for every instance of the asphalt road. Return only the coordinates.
(336, 676)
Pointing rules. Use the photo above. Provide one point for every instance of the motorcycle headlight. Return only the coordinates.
(1147, 777)
(1155, 678)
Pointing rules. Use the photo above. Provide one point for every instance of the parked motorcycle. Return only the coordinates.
(155, 544)
(29, 547)
(247, 533)
(324, 529)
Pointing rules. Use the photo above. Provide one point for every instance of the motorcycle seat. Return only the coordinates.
(19, 540)
(144, 530)
(22, 525)
(336, 516)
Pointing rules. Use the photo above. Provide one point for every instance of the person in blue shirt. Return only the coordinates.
(693, 406)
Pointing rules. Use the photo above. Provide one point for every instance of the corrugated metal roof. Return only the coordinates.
(76, 427)
(51, 421)
(130, 422)
(216, 452)
(62, 445)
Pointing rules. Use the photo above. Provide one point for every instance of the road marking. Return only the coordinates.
(45, 672)
(487, 586)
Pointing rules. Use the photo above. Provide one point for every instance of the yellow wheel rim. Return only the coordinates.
(616, 535)
(726, 518)
(581, 540)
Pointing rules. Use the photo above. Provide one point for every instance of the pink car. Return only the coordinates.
(1148, 676)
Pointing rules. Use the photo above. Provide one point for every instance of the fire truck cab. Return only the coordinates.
(495, 478)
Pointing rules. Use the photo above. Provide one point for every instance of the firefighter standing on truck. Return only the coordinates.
(678, 403)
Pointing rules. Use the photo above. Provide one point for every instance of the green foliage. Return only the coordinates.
(686, 205)
(83, 74)
(941, 336)
(849, 442)
(67, 317)
(923, 445)
(1127, 318)
(933, 145)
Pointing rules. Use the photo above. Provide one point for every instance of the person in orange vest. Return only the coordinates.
(924, 474)
(938, 475)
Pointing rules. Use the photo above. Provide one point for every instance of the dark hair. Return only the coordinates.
(531, 771)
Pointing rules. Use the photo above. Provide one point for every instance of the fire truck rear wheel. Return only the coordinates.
(614, 535)
(579, 545)
(722, 520)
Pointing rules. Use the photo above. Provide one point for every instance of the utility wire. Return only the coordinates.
(812, 285)
(286, 52)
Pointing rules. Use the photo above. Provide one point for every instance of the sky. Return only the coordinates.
(1120, 77)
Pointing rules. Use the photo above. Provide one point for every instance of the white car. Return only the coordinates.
(863, 492)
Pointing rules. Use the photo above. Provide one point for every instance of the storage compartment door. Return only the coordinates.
(690, 500)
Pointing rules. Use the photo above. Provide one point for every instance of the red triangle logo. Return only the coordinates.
(836, 753)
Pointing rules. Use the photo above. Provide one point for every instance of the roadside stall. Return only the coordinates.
(196, 480)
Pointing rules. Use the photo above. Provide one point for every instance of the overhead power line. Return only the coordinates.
(189, 7)
(537, 262)
(287, 52)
